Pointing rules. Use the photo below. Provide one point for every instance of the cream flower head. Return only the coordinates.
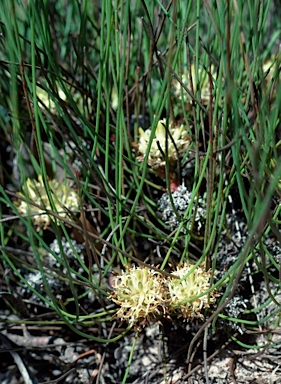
(188, 286)
(83, 103)
(64, 197)
(271, 70)
(139, 293)
(178, 141)
(201, 82)
(45, 98)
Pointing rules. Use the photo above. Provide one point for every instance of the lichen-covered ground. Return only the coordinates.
(53, 353)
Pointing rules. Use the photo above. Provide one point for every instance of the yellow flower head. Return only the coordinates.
(188, 286)
(63, 195)
(177, 138)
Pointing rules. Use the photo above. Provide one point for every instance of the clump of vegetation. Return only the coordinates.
(139, 185)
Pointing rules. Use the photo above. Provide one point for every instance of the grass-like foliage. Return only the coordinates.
(140, 134)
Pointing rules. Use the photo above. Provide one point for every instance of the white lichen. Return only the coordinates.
(182, 199)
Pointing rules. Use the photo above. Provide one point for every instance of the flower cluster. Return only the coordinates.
(168, 142)
(45, 98)
(191, 283)
(201, 81)
(144, 295)
(64, 197)
(271, 69)
(139, 293)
